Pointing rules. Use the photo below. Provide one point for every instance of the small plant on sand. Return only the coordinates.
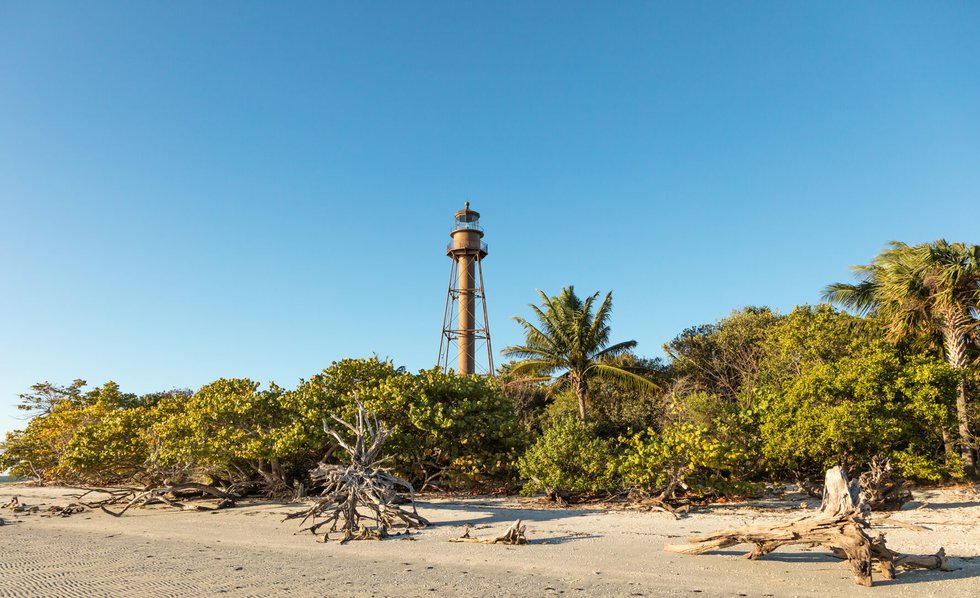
(359, 499)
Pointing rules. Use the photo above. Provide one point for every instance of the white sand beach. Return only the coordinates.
(249, 551)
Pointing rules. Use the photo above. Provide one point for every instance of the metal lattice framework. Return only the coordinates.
(450, 322)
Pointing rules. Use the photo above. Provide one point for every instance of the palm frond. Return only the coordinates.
(534, 368)
(526, 352)
(617, 374)
(859, 297)
(616, 350)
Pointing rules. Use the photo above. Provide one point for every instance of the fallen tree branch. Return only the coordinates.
(841, 526)
(173, 496)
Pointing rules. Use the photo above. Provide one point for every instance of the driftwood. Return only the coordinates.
(174, 496)
(170, 496)
(634, 498)
(356, 495)
(841, 526)
(882, 490)
(644, 501)
(514, 536)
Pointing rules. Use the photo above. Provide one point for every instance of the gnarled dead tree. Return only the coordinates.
(359, 499)
(882, 490)
(841, 526)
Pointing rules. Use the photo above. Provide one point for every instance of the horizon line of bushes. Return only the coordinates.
(753, 398)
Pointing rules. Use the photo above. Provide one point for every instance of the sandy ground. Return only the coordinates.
(249, 551)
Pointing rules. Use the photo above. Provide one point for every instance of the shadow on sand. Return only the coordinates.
(785, 557)
(563, 539)
(486, 513)
(925, 507)
(963, 568)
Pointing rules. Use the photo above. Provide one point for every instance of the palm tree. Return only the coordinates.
(571, 345)
(922, 291)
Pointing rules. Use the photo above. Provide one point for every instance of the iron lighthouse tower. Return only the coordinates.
(465, 323)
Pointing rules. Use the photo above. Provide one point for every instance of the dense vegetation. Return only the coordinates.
(754, 397)
(448, 431)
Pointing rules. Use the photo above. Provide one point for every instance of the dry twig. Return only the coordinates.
(514, 536)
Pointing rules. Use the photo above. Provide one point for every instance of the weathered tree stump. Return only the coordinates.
(841, 526)
(362, 492)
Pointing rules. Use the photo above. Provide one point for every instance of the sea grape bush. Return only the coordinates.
(569, 456)
(836, 393)
(448, 431)
(75, 435)
(683, 454)
(112, 448)
(225, 432)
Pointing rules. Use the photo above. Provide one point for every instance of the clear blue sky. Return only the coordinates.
(191, 190)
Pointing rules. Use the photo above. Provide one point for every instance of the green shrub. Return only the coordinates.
(113, 448)
(845, 412)
(683, 454)
(225, 431)
(452, 431)
(447, 430)
(568, 456)
(49, 449)
(912, 463)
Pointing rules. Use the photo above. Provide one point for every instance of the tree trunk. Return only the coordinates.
(955, 343)
(582, 392)
(969, 462)
(951, 455)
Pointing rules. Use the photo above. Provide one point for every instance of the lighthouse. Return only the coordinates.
(465, 325)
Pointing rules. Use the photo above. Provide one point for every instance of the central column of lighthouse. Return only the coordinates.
(467, 317)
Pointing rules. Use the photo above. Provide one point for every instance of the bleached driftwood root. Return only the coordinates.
(173, 495)
(841, 526)
(514, 536)
(882, 490)
(359, 499)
